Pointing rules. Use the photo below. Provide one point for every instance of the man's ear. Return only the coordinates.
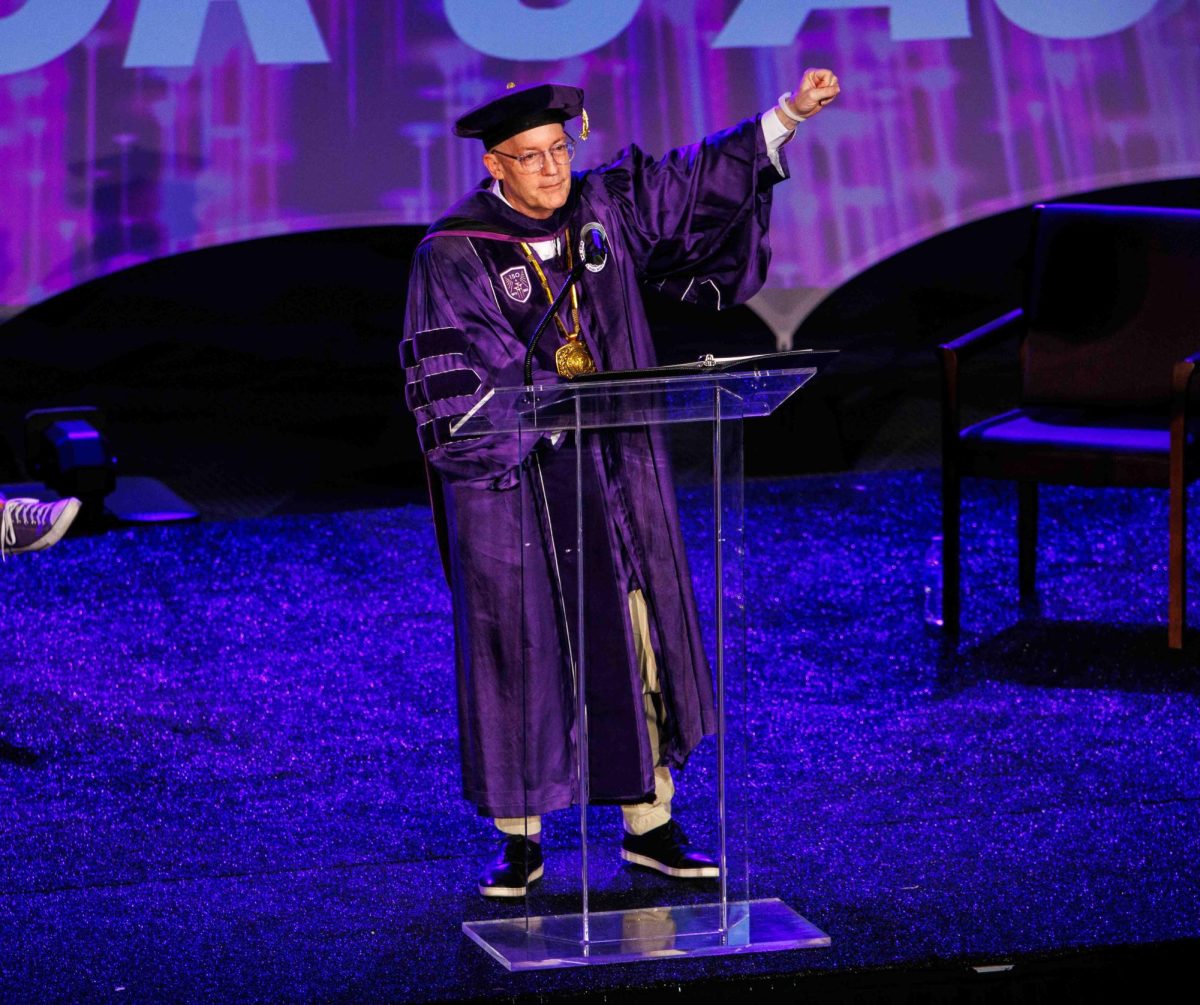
(494, 168)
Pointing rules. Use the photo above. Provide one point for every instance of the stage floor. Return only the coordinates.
(228, 760)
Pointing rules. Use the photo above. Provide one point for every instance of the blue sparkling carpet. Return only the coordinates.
(228, 761)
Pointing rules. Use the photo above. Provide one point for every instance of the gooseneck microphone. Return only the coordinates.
(593, 253)
(593, 248)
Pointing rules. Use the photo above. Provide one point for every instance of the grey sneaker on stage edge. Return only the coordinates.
(29, 525)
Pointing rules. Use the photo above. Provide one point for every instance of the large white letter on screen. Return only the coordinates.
(167, 32)
(1075, 18)
(510, 30)
(43, 30)
(761, 23)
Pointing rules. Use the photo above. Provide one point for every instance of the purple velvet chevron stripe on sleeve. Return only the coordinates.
(440, 384)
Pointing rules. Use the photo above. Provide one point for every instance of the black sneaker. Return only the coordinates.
(666, 849)
(515, 869)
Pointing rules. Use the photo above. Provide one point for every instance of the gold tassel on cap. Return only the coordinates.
(584, 128)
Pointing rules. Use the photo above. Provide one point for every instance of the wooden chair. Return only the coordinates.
(1109, 338)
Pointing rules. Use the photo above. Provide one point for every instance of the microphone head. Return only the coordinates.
(593, 247)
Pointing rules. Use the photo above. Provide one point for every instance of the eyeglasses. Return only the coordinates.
(531, 163)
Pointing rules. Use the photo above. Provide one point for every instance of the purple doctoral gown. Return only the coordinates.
(693, 225)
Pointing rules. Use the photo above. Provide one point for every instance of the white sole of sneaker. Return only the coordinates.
(703, 872)
(513, 891)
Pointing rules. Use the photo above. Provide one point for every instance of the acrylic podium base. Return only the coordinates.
(755, 926)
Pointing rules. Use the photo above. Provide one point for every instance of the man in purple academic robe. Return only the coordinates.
(693, 225)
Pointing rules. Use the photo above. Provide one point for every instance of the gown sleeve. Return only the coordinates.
(457, 346)
(696, 220)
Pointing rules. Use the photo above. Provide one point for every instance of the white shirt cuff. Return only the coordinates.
(776, 135)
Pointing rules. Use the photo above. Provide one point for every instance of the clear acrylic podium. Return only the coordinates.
(590, 907)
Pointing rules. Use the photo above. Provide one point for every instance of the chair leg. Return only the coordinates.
(1027, 537)
(1177, 564)
(951, 557)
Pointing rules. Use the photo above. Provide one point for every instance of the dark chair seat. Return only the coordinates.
(1072, 446)
(1109, 339)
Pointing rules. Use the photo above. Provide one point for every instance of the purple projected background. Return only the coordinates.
(104, 166)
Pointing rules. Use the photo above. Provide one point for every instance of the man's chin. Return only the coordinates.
(556, 197)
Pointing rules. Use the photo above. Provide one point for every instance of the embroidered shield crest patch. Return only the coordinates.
(516, 283)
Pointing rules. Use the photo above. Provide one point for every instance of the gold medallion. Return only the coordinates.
(572, 358)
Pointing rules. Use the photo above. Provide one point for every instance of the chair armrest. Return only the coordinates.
(1181, 377)
(994, 331)
(1181, 391)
